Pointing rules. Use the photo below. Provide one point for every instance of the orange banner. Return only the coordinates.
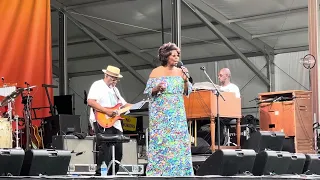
(25, 49)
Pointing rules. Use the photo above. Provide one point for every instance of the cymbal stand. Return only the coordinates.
(26, 100)
(16, 121)
(16, 118)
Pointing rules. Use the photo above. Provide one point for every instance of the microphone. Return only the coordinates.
(180, 65)
(277, 99)
(77, 153)
(254, 99)
(80, 153)
(85, 97)
(202, 68)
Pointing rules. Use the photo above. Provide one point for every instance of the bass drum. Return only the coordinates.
(6, 133)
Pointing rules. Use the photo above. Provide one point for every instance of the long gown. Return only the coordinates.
(169, 152)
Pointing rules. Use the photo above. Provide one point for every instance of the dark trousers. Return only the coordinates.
(105, 150)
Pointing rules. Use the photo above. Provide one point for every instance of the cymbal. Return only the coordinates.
(14, 95)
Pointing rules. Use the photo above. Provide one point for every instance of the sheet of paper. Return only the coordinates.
(137, 105)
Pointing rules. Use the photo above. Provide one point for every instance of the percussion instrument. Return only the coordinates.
(6, 133)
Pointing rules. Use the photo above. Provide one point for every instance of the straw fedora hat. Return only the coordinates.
(112, 71)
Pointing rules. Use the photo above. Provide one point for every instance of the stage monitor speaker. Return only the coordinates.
(228, 162)
(64, 104)
(202, 147)
(271, 162)
(312, 164)
(61, 124)
(45, 162)
(265, 140)
(297, 163)
(11, 161)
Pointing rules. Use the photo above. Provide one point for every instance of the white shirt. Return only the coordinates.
(231, 88)
(106, 97)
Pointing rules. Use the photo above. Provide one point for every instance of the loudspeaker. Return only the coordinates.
(297, 163)
(45, 162)
(265, 140)
(82, 150)
(63, 104)
(61, 124)
(269, 162)
(228, 162)
(11, 161)
(202, 147)
(312, 164)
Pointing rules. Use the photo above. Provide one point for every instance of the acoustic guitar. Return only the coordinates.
(105, 121)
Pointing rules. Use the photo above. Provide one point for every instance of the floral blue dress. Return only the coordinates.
(169, 152)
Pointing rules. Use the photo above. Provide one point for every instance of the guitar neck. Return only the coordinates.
(123, 110)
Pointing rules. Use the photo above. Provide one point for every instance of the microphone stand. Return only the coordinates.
(217, 93)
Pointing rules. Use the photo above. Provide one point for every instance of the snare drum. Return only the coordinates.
(5, 133)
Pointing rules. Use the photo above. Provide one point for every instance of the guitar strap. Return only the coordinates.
(117, 95)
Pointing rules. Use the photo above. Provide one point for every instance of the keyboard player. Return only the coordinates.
(225, 86)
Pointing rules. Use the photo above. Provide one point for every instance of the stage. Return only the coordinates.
(153, 177)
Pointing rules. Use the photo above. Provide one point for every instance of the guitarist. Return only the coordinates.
(103, 95)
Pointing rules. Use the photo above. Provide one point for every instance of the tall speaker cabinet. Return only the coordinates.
(289, 112)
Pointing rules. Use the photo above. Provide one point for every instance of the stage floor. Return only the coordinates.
(143, 177)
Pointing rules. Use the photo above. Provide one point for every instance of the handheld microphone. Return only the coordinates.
(85, 97)
(180, 65)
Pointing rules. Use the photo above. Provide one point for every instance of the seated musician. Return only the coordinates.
(104, 93)
(225, 83)
(225, 86)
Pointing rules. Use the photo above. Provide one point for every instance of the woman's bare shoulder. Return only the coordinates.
(156, 72)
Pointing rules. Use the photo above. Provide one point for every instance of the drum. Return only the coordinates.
(5, 133)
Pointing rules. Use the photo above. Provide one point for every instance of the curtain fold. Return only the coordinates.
(25, 50)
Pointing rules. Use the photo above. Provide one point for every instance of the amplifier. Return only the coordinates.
(61, 124)
(82, 150)
(130, 152)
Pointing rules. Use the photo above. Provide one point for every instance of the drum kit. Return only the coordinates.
(10, 92)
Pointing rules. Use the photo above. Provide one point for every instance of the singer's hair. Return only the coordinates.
(165, 51)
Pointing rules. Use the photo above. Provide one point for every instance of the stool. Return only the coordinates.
(227, 129)
(113, 139)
